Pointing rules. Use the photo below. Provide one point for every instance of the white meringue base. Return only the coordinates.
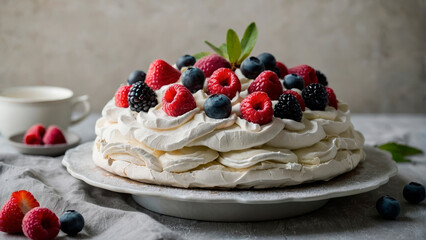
(215, 175)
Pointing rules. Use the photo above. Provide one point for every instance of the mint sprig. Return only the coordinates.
(399, 151)
(234, 50)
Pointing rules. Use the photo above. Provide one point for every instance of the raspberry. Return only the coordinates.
(298, 97)
(269, 83)
(178, 100)
(161, 73)
(288, 107)
(141, 97)
(224, 81)
(34, 135)
(13, 211)
(315, 96)
(54, 135)
(257, 108)
(121, 96)
(306, 72)
(41, 223)
(332, 100)
(211, 63)
(283, 69)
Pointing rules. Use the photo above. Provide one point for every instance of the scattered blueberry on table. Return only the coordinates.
(414, 192)
(388, 207)
(72, 222)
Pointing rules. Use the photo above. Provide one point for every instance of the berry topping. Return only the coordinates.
(120, 97)
(252, 67)
(72, 222)
(332, 100)
(211, 63)
(315, 96)
(298, 97)
(269, 83)
(41, 223)
(54, 135)
(288, 107)
(185, 61)
(178, 100)
(306, 72)
(388, 207)
(136, 76)
(268, 60)
(141, 97)
(293, 81)
(257, 108)
(193, 79)
(224, 81)
(283, 69)
(321, 78)
(13, 211)
(218, 106)
(161, 73)
(414, 192)
(34, 135)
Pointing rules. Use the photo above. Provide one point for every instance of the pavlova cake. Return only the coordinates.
(227, 120)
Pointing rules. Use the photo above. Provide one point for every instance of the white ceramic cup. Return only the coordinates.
(22, 107)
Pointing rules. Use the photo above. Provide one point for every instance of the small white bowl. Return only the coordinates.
(46, 150)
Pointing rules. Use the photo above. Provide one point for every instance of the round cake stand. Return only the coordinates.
(235, 205)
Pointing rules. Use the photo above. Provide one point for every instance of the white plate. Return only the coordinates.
(46, 150)
(235, 205)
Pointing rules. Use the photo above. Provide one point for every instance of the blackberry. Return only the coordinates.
(141, 97)
(288, 107)
(321, 78)
(315, 96)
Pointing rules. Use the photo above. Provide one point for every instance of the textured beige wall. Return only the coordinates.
(373, 51)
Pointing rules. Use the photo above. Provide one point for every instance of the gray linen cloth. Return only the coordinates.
(107, 215)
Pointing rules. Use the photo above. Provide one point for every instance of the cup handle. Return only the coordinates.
(81, 100)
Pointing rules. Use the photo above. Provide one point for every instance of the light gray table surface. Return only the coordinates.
(353, 217)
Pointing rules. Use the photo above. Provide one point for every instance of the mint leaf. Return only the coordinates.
(248, 41)
(216, 49)
(224, 50)
(200, 55)
(400, 151)
(233, 46)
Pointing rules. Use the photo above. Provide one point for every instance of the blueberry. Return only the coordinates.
(218, 106)
(277, 71)
(414, 192)
(72, 222)
(193, 79)
(293, 81)
(252, 67)
(388, 207)
(136, 76)
(321, 78)
(269, 60)
(185, 61)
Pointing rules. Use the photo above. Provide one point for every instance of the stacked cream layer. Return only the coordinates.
(194, 150)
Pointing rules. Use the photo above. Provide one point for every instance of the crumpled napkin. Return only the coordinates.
(108, 215)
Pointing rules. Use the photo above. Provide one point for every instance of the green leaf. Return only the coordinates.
(224, 50)
(233, 46)
(200, 55)
(400, 151)
(404, 150)
(216, 49)
(248, 41)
